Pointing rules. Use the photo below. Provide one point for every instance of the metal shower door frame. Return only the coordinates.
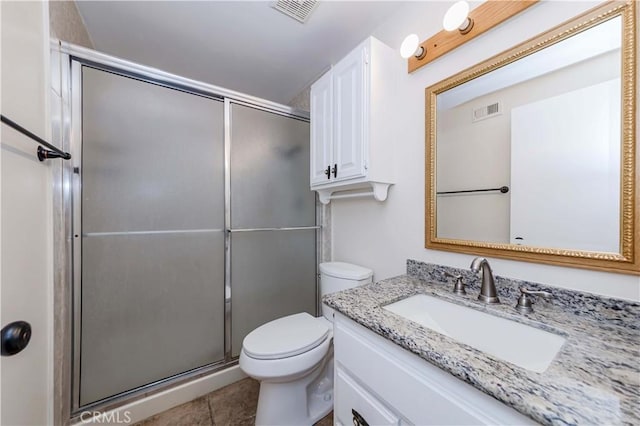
(67, 206)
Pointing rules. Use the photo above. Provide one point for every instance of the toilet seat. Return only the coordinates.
(286, 337)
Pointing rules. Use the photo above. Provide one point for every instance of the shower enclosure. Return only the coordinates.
(190, 223)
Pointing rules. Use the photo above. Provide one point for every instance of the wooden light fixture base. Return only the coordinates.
(485, 17)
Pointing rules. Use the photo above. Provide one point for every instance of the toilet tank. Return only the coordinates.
(338, 276)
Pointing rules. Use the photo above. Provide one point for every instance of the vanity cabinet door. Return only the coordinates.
(322, 129)
(349, 115)
(355, 406)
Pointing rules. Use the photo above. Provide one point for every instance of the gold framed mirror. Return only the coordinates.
(531, 155)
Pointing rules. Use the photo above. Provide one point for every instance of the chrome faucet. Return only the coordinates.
(488, 293)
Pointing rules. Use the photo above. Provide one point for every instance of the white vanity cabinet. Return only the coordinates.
(379, 383)
(352, 129)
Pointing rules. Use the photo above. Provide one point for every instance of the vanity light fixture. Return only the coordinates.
(411, 47)
(457, 18)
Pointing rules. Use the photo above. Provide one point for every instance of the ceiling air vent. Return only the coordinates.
(300, 10)
(487, 111)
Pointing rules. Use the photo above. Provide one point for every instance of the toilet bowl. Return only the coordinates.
(292, 356)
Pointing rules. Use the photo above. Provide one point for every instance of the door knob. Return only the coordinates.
(15, 337)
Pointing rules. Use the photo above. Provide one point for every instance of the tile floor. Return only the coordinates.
(230, 406)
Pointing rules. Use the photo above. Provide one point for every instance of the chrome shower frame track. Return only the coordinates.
(67, 224)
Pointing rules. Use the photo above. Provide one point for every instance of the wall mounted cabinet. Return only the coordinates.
(351, 133)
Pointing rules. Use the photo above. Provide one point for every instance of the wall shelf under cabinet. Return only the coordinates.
(377, 190)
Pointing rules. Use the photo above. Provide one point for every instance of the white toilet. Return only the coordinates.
(292, 357)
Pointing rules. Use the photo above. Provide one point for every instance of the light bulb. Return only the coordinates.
(456, 16)
(411, 47)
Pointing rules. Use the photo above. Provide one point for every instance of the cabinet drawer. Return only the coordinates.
(351, 401)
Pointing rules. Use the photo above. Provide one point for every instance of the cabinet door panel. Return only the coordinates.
(321, 124)
(349, 115)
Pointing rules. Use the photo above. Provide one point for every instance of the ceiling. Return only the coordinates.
(245, 46)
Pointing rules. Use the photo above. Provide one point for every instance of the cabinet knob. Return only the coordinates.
(328, 172)
(335, 170)
(358, 420)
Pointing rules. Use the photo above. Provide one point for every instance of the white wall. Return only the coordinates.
(26, 226)
(383, 235)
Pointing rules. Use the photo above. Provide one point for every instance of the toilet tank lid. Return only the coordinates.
(344, 270)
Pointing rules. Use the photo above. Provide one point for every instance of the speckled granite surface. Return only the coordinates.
(594, 379)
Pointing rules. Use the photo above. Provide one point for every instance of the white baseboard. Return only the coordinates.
(162, 401)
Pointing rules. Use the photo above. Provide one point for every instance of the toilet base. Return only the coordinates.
(301, 402)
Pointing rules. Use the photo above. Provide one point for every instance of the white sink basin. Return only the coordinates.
(519, 344)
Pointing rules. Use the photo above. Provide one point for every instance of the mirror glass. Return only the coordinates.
(530, 153)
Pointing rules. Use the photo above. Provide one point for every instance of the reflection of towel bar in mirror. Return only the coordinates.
(502, 189)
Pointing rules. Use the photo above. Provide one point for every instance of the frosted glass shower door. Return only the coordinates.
(273, 240)
(152, 242)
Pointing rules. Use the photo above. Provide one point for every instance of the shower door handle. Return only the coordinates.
(15, 337)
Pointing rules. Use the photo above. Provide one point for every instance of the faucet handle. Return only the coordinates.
(525, 304)
(449, 274)
(458, 288)
(545, 294)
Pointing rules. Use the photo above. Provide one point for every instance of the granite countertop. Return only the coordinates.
(594, 379)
